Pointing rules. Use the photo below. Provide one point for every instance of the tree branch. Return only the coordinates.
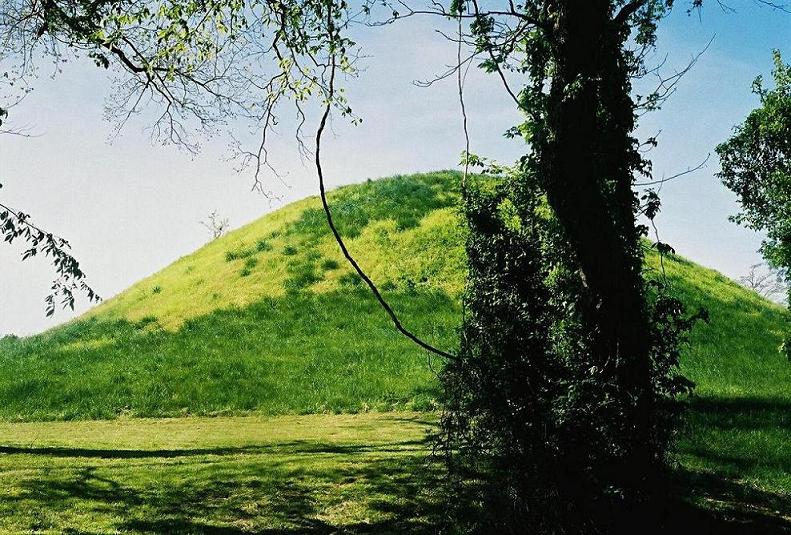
(330, 222)
(627, 11)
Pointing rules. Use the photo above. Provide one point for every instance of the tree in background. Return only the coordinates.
(756, 165)
(216, 225)
(766, 282)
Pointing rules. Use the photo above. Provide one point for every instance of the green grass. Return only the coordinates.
(270, 320)
(306, 474)
(364, 473)
(305, 353)
(736, 443)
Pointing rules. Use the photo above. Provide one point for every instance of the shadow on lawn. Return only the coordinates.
(296, 447)
(736, 440)
(741, 434)
(278, 490)
(732, 508)
(315, 488)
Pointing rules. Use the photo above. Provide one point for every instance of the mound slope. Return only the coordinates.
(270, 319)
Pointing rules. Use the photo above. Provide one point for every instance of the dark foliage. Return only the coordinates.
(559, 411)
(536, 430)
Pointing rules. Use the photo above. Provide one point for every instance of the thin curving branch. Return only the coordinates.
(330, 222)
(687, 171)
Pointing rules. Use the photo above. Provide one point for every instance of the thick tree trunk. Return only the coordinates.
(588, 163)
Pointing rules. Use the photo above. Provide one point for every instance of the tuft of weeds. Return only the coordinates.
(239, 254)
(328, 264)
(350, 279)
(389, 286)
(302, 276)
(249, 265)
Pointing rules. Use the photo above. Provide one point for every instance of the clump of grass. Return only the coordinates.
(156, 289)
(145, 321)
(289, 250)
(388, 286)
(328, 264)
(239, 254)
(350, 279)
(302, 276)
(410, 286)
(249, 265)
(406, 223)
(262, 246)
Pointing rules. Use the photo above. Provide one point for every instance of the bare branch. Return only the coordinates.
(331, 223)
(687, 171)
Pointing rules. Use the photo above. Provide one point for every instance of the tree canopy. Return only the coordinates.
(756, 165)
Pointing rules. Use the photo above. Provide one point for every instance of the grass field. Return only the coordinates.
(289, 474)
(363, 473)
(738, 426)
(268, 321)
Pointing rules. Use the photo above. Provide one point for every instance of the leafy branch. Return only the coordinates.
(69, 279)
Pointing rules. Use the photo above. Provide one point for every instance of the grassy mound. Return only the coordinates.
(271, 319)
(735, 445)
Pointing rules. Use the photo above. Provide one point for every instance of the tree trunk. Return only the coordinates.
(588, 163)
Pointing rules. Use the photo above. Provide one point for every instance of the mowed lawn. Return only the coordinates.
(327, 473)
(367, 473)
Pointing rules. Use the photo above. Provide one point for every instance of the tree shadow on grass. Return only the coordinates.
(732, 441)
(300, 488)
(714, 505)
(296, 447)
(394, 487)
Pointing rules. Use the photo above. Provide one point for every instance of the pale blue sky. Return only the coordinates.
(130, 208)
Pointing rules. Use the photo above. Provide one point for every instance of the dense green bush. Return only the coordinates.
(534, 427)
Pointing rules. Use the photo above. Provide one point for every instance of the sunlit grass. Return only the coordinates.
(402, 229)
(268, 319)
